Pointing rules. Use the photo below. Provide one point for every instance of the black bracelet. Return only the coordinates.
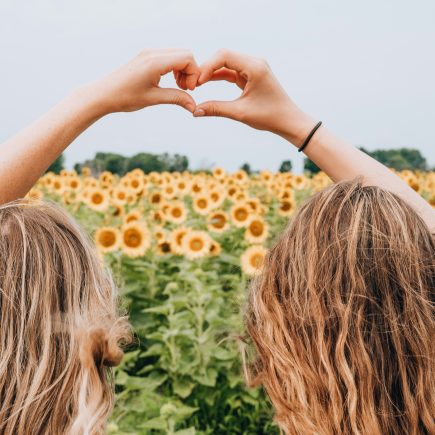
(307, 140)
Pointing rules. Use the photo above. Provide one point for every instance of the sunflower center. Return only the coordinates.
(107, 238)
(241, 214)
(256, 228)
(256, 261)
(218, 221)
(155, 198)
(196, 245)
(165, 247)
(285, 206)
(97, 198)
(176, 212)
(132, 238)
(202, 203)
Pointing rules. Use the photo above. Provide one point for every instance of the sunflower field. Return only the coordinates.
(182, 247)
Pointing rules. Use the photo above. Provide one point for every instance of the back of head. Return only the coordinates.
(342, 317)
(60, 327)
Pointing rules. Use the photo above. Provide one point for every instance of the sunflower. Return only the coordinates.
(217, 221)
(164, 248)
(182, 187)
(176, 212)
(136, 184)
(202, 204)
(85, 171)
(35, 194)
(119, 195)
(106, 178)
(240, 215)
(117, 210)
(58, 185)
(73, 183)
(107, 239)
(90, 182)
(257, 230)
(159, 234)
(240, 176)
(135, 239)
(300, 181)
(217, 197)
(219, 173)
(97, 199)
(155, 198)
(286, 208)
(158, 217)
(252, 260)
(215, 249)
(169, 191)
(197, 188)
(196, 244)
(176, 239)
(133, 215)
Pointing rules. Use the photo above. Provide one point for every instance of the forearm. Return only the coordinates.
(26, 156)
(341, 161)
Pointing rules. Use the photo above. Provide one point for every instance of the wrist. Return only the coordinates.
(296, 125)
(89, 100)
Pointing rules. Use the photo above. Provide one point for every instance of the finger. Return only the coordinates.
(229, 76)
(173, 96)
(182, 62)
(226, 109)
(224, 59)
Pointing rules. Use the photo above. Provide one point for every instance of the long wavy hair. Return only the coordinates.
(341, 319)
(60, 328)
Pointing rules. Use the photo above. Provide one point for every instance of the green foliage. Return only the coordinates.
(57, 165)
(148, 162)
(399, 159)
(286, 166)
(309, 166)
(246, 167)
(184, 375)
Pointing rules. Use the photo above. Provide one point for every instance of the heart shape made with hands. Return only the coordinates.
(224, 66)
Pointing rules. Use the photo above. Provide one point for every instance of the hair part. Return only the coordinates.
(60, 325)
(341, 319)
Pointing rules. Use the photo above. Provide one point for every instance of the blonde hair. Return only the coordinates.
(60, 327)
(342, 317)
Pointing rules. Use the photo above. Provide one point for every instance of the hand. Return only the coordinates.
(136, 84)
(263, 105)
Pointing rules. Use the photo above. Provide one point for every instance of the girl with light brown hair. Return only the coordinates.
(341, 319)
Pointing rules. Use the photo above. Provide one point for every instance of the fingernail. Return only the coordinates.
(199, 112)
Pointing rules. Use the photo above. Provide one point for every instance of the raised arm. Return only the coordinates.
(265, 105)
(25, 157)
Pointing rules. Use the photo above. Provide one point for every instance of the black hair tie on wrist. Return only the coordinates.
(307, 140)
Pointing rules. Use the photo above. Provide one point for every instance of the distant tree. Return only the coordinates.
(399, 158)
(286, 166)
(57, 165)
(148, 162)
(246, 167)
(175, 163)
(309, 166)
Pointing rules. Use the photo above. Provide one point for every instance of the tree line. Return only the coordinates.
(399, 159)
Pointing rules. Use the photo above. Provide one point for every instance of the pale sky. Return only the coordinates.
(366, 69)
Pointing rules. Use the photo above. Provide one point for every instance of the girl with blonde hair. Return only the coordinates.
(341, 319)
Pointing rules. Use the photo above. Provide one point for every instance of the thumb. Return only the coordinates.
(226, 109)
(174, 96)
